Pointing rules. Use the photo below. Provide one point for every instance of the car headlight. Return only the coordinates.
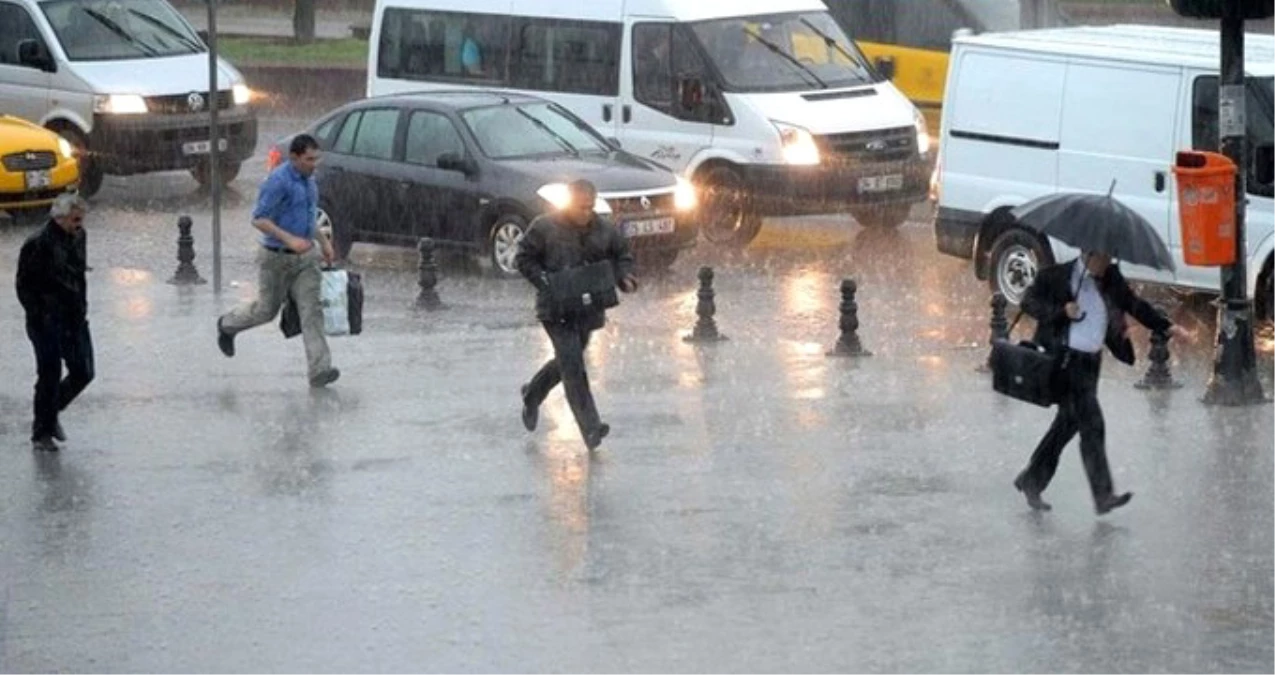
(65, 147)
(798, 145)
(684, 198)
(242, 94)
(119, 104)
(559, 196)
(922, 132)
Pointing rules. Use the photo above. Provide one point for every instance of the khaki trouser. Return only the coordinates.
(282, 274)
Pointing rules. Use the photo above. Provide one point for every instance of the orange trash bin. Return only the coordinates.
(1206, 207)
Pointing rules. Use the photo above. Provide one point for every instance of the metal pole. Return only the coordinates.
(214, 152)
(1234, 380)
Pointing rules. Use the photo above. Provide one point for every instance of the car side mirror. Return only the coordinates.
(690, 93)
(1263, 169)
(450, 161)
(30, 53)
(203, 35)
(885, 66)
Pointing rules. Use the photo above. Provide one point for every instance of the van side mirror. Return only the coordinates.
(450, 161)
(885, 66)
(690, 93)
(31, 53)
(203, 35)
(1263, 169)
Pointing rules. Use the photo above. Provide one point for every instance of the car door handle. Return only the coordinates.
(1159, 181)
(607, 112)
(627, 113)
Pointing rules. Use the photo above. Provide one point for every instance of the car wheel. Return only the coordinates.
(90, 173)
(229, 172)
(886, 217)
(1017, 256)
(342, 236)
(502, 244)
(657, 261)
(726, 219)
(1266, 293)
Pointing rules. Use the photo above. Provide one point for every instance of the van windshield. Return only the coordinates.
(782, 52)
(107, 30)
(532, 130)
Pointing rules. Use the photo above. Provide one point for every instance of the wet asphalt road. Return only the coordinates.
(758, 507)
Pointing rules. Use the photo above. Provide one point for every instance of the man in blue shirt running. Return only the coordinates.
(289, 260)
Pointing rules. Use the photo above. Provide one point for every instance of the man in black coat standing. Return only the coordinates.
(572, 237)
(1079, 307)
(51, 286)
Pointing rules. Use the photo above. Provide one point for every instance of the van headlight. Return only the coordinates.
(242, 94)
(799, 147)
(684, 198)
(65, 147)
(922, 132)
(559, 196)
(119, 104)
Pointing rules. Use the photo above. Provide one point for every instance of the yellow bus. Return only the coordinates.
(909, 40)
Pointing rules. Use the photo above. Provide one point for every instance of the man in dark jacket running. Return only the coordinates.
(1079, 307)
(51, 286)
(572, 237)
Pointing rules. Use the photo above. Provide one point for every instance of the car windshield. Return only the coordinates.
(105, 30)
(782, 52)
(530, 130)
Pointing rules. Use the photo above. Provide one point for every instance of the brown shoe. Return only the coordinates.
(325, 378)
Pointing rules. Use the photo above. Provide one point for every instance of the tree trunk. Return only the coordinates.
(303, 21)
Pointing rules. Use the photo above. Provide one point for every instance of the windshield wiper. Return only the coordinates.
(118, 30)
(193, 46)
(566, 145)
(788, 57)
(831, 42)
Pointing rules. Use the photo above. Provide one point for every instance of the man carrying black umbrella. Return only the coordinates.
(1079, 306)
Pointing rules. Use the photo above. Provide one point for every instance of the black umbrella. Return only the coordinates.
(1097, 223)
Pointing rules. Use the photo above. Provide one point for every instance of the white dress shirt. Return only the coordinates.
(1088, 334)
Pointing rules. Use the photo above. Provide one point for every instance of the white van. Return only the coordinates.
(765, 104)
(126, 82)
(1072, 109)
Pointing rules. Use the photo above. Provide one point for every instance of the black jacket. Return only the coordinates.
(551, 246)
(1048, 296)
(50, 282)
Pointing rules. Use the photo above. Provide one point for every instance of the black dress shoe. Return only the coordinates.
(58, 433)
(530, 413)
(1032, 494)
(225, 341)
(44, 444)
(594, 438)
(1112, 502)
(325, 378)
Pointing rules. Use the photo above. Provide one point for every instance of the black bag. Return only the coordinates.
(1025, 371)
(290, 319)
(577, 290)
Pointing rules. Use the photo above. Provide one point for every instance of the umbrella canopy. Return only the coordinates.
(1097, 223)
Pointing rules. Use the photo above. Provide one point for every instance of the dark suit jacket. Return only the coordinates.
(1047, 298)
(551, 246)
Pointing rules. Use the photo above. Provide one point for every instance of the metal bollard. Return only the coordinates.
(1158, 375)
(428, 279)
(705, 330)
(999, 326)
(186, 273)
(848, 343)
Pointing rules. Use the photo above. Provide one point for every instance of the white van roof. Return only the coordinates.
(1186, 47)
(615, 10)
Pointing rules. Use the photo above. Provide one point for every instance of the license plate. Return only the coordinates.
(893, 181)
(202, 147)
(38, 180)
(643, 228)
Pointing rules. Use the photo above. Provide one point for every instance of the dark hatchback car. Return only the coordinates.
(471, 169)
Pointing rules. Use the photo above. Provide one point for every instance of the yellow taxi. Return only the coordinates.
(36, 165)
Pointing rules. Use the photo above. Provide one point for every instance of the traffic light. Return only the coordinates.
(1212, 9)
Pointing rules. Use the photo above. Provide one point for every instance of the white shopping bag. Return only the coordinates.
(335, 297)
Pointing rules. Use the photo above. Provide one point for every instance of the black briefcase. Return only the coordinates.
(588, 287)
(1025, 371)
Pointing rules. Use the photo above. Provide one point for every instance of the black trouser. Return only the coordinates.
(55, 343)
(569, 342)
(1078, 411)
